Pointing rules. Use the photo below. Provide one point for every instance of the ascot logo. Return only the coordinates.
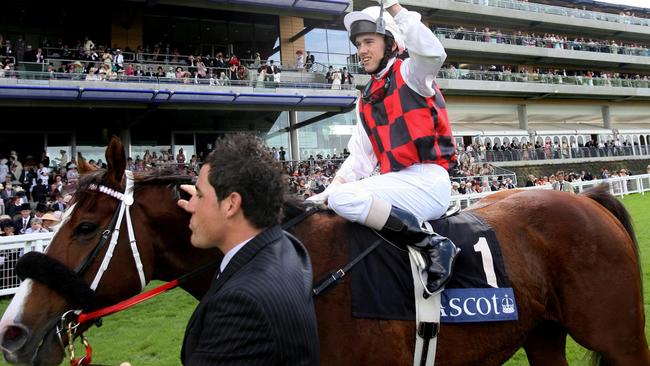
(468, 305)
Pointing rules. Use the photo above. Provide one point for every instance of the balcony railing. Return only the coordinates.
(539, 78)
(166, 82)
(496, 156)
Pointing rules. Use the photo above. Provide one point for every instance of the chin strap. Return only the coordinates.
(384, 67)
(388, 55)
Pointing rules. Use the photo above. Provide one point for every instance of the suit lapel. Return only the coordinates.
(245, 255)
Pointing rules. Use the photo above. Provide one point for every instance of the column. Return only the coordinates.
(522, 114)
(289, 26)
(125, 136)
(293, 136)
(73, 145)
(607, 117)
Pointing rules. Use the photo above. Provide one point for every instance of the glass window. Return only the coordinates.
(184, 141)
(316, 40)
(186, 30)
(238, 32)
(329, 136)
(91, 143)
(337, 41)
(339, 61)
(213, 31)
(55, 143)
(320, 57)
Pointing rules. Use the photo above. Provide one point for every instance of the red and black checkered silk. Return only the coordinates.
(406, 128)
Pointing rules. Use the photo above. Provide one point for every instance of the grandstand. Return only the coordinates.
(528, 83)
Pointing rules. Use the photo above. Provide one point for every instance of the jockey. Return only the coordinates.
(403, 126)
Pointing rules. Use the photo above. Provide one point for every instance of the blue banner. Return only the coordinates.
(470, 305)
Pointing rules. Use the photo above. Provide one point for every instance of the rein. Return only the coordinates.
(73, 319)
(334, 276)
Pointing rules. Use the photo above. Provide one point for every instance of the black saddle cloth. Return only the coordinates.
(382, 286)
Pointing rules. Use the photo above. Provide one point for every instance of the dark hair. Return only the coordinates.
(241, 163)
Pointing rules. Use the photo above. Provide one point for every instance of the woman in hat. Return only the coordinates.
(300, 60)
(49, 221)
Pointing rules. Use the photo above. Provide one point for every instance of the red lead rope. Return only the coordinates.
(123, 305)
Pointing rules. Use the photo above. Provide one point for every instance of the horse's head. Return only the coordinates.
(101, 204)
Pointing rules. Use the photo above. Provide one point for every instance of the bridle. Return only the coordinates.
(112, 232)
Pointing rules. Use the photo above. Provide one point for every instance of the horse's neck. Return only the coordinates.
(325, 237)
(174, 264)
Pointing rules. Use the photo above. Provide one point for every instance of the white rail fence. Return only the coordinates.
(619, 186)
(13, 247)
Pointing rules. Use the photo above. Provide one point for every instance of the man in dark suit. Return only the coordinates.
(259, 309)
(23, 222)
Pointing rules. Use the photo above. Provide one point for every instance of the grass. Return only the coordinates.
(152, 332)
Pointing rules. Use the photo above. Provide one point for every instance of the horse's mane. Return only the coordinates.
(294, 206)
(165, 177)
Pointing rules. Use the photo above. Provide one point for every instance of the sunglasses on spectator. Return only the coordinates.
(378, 94)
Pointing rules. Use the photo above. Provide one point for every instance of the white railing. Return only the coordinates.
(619, 186)
(13, 247)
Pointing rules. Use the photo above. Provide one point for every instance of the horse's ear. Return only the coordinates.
(83, 166)
(116, 160)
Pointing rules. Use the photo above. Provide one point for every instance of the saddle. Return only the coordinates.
(382, 285)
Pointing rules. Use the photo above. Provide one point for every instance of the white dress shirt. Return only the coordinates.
(231, 253)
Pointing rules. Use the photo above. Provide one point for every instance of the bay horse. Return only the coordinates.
(572, 260)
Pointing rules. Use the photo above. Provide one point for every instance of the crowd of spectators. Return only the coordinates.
(37, 191)
(98, 62)
(542, 40)
(34, 193)
(478, 152)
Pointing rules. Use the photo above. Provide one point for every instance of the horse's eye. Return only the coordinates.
(85, 228)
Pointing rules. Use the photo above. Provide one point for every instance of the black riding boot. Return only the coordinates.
(403, 228)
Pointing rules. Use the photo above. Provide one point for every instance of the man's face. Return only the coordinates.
(370, 48)
(208, 219)
(25, 213)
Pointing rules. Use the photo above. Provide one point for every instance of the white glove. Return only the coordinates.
(388, 3)
(321, 198)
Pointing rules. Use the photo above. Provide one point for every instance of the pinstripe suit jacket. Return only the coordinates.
(259, 311)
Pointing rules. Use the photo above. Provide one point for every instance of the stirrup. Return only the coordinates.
(421, 264)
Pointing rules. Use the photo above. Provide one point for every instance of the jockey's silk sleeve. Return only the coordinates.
(426, 53)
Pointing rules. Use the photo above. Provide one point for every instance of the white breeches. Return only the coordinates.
(422, 189)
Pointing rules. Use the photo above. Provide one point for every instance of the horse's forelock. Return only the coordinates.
(84, 183)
